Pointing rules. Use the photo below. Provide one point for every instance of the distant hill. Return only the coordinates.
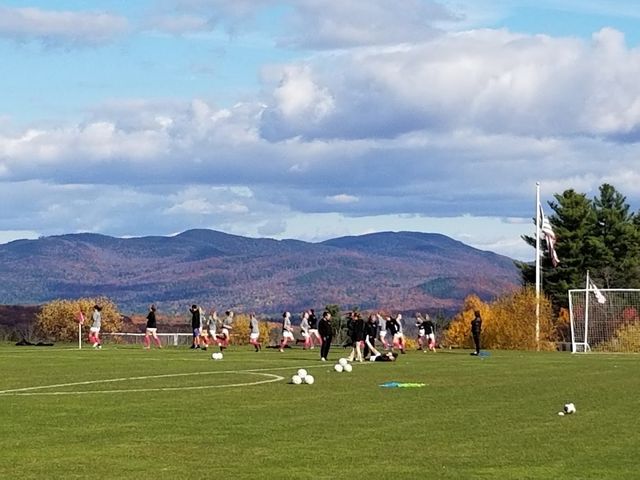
(405, 271)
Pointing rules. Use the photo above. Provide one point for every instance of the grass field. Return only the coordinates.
(186, 416)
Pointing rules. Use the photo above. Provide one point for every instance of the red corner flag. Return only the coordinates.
(80, 318)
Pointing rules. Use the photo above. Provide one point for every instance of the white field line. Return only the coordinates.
(258, 371)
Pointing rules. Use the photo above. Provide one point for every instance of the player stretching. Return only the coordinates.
(287, 330)
(152, 329)
(254, 336)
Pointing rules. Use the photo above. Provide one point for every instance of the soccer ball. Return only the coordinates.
(347, 367)
(309, 379)
(569, 408)
(296, 380)
(343, 362)
(302, 373)
(338, 368)
(216, 356)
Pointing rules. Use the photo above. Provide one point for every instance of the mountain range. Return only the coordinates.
(388, 270)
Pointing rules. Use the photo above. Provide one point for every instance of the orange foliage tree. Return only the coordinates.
(58, 320)
(507, 323)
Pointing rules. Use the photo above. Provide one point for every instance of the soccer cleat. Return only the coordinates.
(323, 359)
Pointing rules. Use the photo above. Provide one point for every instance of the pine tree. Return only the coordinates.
(616, 263)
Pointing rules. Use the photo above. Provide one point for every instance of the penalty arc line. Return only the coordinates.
(30, 390)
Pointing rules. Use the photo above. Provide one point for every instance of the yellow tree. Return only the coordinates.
(58, 320)
(507, 323)
(242, 328)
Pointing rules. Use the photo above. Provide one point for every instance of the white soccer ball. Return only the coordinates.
(347, 367)
(309, 379)
(296, 380)
(302, 373)
(214, 356)
(338, 368)
(220, 356)
(343, 362)
(569, 408)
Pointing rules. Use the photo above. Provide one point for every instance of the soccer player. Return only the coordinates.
(313, 328)
(370, 335)
(422, 340)
(326, 333)
(211, 326)
(287, 330)
(476, 329)
(152, 329)
(357, 337)
(398, 336)
(304, 329)
(382, 321)
(196, 325)
(94, 330)
(227, 326)
(376, 356)
(430, 333)
(204, 329)
(254, 336)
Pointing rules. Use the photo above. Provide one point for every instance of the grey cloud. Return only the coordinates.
(325, 24)
(61, 28)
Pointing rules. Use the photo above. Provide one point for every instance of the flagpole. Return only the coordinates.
(538, 273)
(586, 312)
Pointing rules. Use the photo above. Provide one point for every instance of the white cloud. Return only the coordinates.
(341, 198)
(57, 27)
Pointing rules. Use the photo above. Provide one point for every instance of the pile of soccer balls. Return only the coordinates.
(302, 377)
(217, 356)
(568, 409)
(343, 365)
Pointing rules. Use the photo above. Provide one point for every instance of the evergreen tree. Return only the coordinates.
(616, 263)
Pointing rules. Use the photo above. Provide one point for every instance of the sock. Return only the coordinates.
(147, 341)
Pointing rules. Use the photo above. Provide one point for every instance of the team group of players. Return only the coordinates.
(209, 329)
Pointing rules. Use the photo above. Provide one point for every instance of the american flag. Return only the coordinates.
(549, 236)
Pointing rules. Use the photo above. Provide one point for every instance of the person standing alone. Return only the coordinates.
(94, 331)
(326, 334)
(476, 329)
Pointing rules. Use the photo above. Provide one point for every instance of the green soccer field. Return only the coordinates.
(176, 414)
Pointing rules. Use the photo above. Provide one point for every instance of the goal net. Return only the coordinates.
(166, 339)
(606, 321)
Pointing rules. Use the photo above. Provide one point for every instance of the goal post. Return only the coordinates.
(606, 321)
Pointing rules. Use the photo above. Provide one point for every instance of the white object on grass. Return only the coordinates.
(338, 368)
(347, 367)
(296, 380)
(308, 379)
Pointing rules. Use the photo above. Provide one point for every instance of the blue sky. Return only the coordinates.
(312, 119)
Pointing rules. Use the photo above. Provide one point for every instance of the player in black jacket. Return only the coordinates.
(326, 334)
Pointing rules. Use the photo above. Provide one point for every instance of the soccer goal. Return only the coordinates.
(606, 321)
(166, 339)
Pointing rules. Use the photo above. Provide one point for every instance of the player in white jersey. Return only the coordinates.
(94, 330)
(287, 330)
(254, 336)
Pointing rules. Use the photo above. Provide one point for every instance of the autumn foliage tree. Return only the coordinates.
(58, 320)
(508, 323)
